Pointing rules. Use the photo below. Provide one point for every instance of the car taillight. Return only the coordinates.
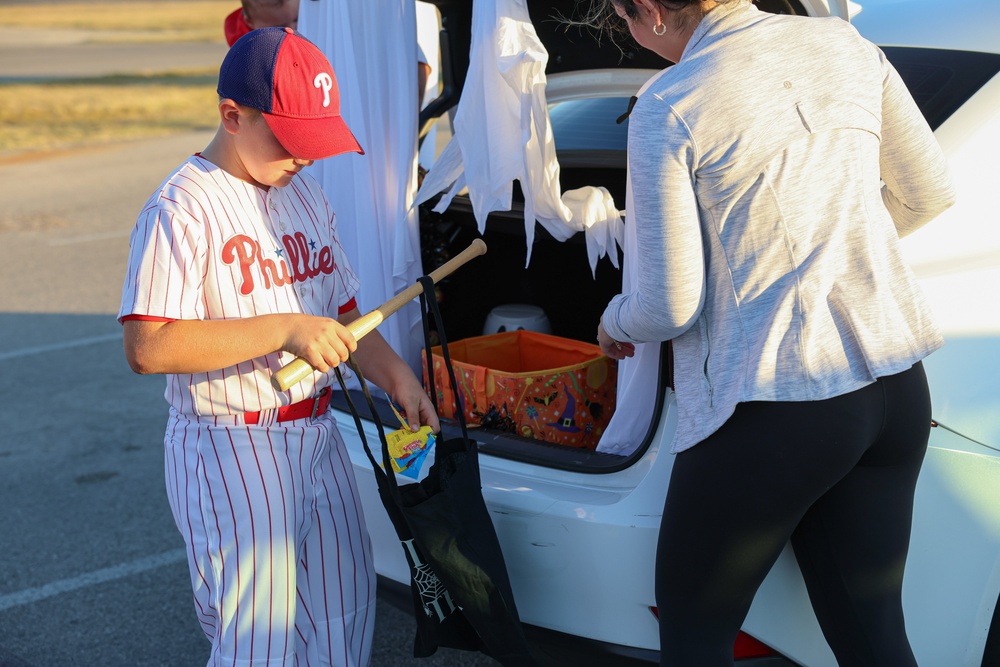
(745, 648)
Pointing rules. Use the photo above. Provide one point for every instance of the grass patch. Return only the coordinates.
(196, 20)
(69, 114)
(42, 117)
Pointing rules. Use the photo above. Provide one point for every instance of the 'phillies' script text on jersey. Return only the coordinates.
(304, 264)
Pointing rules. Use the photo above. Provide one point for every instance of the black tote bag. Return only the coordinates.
(461, 591)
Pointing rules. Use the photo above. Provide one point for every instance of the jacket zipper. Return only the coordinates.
(708, 353)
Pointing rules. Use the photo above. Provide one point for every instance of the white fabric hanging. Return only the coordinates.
(638, 374)
(373, 49)
(503, 133)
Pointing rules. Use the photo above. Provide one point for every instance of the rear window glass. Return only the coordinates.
(589, 124)
(585, 126)
(941, 81)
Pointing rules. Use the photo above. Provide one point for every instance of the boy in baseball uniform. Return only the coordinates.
(234, 270)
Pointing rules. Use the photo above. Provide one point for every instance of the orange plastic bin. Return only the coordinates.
(532, 384)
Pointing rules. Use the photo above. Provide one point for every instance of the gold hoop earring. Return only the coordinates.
(662, 30)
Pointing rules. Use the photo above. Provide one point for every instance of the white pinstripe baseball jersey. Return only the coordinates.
(208, 245)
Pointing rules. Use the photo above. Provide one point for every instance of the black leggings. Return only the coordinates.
(836, 477)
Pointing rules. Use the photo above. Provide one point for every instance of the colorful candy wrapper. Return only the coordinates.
(410, 451)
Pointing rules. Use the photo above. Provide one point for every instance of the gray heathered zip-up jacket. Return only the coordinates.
(773, 170)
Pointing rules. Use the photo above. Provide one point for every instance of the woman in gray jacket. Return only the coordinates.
(772, 171)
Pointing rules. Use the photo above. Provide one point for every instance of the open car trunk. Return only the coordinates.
(590, 144)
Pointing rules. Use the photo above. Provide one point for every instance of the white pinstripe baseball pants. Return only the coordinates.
(279, 555)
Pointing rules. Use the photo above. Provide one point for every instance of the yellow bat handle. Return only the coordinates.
(299, 369)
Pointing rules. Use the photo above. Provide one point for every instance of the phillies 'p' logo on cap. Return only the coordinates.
(288, 78)
(324, 81)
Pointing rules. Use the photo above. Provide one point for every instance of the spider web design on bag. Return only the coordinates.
(433, 595)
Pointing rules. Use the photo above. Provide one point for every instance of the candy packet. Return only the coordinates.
(411, 452)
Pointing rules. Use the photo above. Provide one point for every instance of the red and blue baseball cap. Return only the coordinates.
(287, 77)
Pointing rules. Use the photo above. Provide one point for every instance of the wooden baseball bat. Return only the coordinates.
(299, 369)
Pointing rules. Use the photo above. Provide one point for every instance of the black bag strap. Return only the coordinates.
(381, 472)
(429, 308)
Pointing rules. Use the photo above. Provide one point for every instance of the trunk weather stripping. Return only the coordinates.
(936, 424)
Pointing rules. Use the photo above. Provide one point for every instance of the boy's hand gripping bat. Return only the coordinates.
(299, 369)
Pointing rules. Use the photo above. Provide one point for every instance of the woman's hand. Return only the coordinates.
(611, 347)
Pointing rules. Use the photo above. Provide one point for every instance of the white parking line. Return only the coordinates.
(30, 595)
(55, 347)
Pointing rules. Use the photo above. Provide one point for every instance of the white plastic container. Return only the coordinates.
(515, 316)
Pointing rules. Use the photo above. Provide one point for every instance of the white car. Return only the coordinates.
(578, 527)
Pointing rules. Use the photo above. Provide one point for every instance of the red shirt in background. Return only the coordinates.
(235, 27)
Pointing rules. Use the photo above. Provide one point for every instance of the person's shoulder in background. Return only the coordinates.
(235, 26)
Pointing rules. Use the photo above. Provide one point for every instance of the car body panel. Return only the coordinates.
(956, 258)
